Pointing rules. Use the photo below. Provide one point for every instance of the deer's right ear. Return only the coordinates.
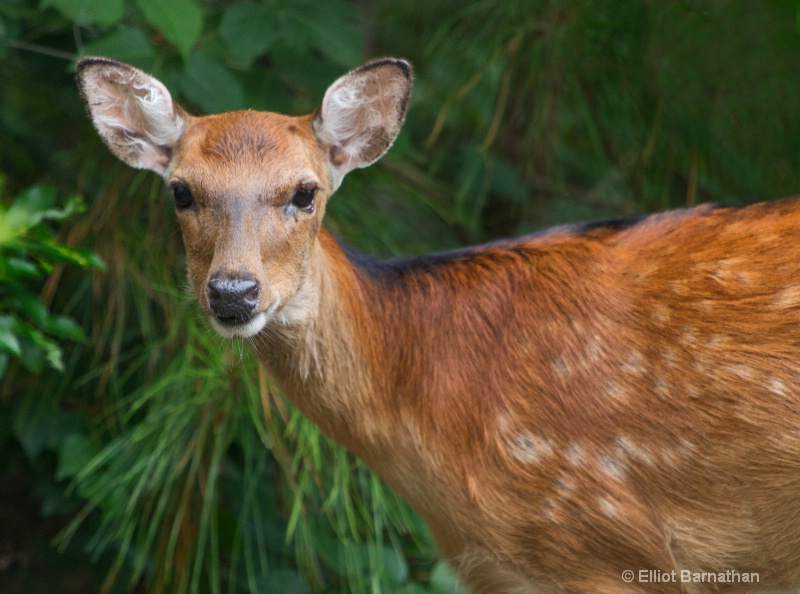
(133, 112)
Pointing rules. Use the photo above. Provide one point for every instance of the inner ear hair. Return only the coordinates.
(133, 112)
(363, 111)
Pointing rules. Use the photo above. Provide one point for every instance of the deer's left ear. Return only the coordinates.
(133, 112)
(362, 113)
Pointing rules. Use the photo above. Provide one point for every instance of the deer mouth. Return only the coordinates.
(239, 326)
(245, 325)
(234, 320)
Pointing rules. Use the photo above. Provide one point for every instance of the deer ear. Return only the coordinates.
(133, 112)
(362, 113)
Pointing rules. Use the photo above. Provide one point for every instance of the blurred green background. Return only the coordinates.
(139, 452)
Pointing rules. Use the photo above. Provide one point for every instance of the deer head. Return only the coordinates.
(250, 188)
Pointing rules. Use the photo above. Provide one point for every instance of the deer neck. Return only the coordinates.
(370, 362)
(317, 352)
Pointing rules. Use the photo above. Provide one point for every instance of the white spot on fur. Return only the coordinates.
(706, 305)
(575, 454)
(611, 467)
(743, 372)
(716, 340)
(692, 390)
(636, 364)
(661, 314)
(680, 287)
(593, 351)
(778, 387)
(577, 327)
(688, 336)
(731, 270)
(635, 451)
(662, 387)
(588, 358)
(670, 457)
(563, 367)
(789, 297)
(617, 392)
(565, 486)
(607, 507)
(550, 509)
(502, 423)
(670, 357)
(687, 446)
(522, 445)
(529, 448)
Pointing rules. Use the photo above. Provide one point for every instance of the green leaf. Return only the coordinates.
(60, 254)
(30, 208)
(248, 30)
(332, 26)
(394, 564)
(27, 211)
(24, 301)
(55, 356)
(64, 327)
(123, 43)
(75, 452)
(88, 259)
(20, 267)
(50, 347)
(32, 307)
(444, 580)
(39, 424)
(210, 85)
(32, 356)
(8, 338)
(179, 20)
(86, 12)
(33, 423)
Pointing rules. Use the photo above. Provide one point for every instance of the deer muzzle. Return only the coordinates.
(233, 301)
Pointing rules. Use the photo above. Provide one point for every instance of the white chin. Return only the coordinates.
(251, 328)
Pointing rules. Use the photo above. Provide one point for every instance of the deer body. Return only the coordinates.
(560, 408)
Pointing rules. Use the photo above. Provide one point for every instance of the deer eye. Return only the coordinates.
(303, 198)
(182, 194)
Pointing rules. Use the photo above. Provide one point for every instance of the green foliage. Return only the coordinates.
(88, 12)
(180, 21)
(161, 458)
(29, 251)
(35, 337)
(244, 32)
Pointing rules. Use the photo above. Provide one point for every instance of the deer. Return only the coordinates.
(608, 407)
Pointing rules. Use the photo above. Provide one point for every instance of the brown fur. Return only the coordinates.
(646, 380)
(560, 408)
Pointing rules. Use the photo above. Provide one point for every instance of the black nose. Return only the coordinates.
(233, 300)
